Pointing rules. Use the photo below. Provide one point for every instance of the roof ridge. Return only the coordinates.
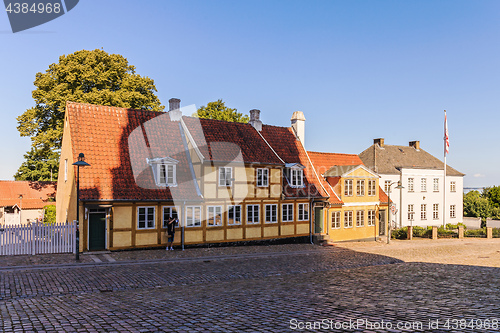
(326, 153)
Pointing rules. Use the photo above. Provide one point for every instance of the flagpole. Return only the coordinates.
(445, 150)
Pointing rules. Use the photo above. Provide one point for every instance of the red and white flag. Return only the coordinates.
(446, 136)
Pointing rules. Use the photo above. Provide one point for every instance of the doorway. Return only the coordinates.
(97, 229)
(381, 223)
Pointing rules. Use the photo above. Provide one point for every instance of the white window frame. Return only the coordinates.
(303, 212)
(453, 211)
(286, 212)
(360, 218)
(435, 211)
(147, 224)
(262, 177)
(66, 170)
(271, 214)
(436, 184)
(372, 187)
(190, 216)
(170, 209)
(411, 183)
(423, 184)
(236, 212)
(348, 219)
(371, 217)
(453, 186)
(212, 213)
(163, 171)
(387, 186)
(253, 214)
(423, 211)
(348, 187)
(224, 180)
(360, 188)
(336, 219)
(297, 177)
(411, 212)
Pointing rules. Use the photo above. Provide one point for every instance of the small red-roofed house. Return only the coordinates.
(357, 206)
(22, 202)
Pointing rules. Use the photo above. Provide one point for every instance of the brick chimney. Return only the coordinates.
(174, 109)
(255, 119)
(299, 126)
(379, 141)
(415, 144)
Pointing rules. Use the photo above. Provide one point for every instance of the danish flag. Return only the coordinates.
(446, 136)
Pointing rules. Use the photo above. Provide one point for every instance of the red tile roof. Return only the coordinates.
(117, 143)
(291, 150)
(36, 195)
(222, 141)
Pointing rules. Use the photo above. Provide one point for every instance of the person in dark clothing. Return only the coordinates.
(171, 232)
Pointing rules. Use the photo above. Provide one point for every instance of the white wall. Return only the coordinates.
(402, 198)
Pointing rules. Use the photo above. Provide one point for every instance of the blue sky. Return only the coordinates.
(358, 70)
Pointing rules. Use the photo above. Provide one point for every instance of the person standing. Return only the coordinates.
(171, 233)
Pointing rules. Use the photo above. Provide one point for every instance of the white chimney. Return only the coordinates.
(255, 119)
(299, 126)
(174, 109)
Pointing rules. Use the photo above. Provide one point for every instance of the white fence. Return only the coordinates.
(37, 239)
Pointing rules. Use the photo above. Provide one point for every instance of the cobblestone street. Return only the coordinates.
(274, 288)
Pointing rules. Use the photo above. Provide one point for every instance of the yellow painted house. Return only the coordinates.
(225, 182)
(357, 206)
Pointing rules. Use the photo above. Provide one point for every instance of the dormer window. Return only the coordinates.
(294, 173)
(164, 171)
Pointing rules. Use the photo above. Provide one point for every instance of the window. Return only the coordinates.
(287, 212)
(296, 178)
(271, 213)
(145, 218)
(348, 219)
(225, 175)
(233, 215)
(164, 170)
(348, 187)
(360, 218)
(169, 212)
(410, 184)
(65, 169)
(453, 186)
(252, 214)
(336, 220)
(167, 174)
(423, 212)
(387, 185)
(436, 184)
(372, 187)
(453, 209)
(423, 184)
(262, 177)
(411, 212)
(371, 217)
(360, 188)
(214, 216)
(435, 211)
(303, 212)
(193, 216)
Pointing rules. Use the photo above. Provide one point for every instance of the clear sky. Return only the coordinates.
(358, 70)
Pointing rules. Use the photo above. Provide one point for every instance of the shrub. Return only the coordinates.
(450, 226)
(445, 233)
(475, 233)
(422, 232)
(49, 216)
(401, 233)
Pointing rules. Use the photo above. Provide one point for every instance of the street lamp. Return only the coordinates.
(399, 187)
(80, 163)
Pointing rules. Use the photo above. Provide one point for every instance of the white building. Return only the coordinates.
(422, 200)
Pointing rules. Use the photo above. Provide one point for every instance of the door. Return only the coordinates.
(318, 220)
(97, 231)
(381, 222)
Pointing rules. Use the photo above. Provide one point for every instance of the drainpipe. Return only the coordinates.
(182, 223)
(311, 209)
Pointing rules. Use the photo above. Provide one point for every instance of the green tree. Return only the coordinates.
(84, 76)
(49, 215)
(493, 195)
(475, 205)
(219, 111)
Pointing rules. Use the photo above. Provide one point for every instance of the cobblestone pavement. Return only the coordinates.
(258, 290)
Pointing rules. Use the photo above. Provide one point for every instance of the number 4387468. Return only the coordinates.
(36, 8)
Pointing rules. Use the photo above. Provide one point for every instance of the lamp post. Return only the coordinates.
(399, 187)
(80, 163)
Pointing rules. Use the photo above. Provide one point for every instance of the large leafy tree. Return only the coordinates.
(219, 111)
(482, 204)
(85, 76)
